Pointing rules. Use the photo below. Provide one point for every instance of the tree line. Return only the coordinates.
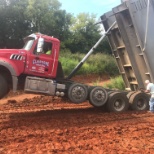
(19, 18)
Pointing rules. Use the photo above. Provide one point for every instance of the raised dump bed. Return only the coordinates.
(132, 40)
(132, 43)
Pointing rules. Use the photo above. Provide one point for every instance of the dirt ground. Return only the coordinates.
(42, 124)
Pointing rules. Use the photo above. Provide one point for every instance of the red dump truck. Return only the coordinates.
(35, 71)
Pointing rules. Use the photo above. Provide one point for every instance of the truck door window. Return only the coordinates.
(47, 47)
(28, 44)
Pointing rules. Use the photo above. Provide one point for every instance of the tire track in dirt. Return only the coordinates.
(42, 124)
(38, 126)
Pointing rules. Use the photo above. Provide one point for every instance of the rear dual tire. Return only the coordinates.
(117, 102)
(139, 101)
(114, 101)
(98, 96)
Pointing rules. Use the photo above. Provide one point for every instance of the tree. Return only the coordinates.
(48, 18)
(37, 11)
(20, 18)
(13, 23)
(84, 33)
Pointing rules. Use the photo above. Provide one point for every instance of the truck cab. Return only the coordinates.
(32, 60)
(38, 61)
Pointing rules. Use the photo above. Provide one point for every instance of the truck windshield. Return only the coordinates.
(28, 44)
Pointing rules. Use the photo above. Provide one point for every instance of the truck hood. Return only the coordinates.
(10, 51)
(7, 54)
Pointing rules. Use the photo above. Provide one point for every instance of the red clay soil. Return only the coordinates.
(40, 124)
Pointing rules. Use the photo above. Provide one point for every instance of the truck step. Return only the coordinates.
(138, 46)
(141, 54)
(121, 47)
(127, 65)
(147, 73)
(122, 72)
(133, 82)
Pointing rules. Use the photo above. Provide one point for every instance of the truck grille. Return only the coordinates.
(16, 57)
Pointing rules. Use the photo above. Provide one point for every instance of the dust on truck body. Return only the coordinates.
(132, 41)
(35, 71)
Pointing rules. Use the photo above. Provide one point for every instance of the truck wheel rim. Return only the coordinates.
(98, 96)
(141, 103)
(119, 104)
(78, 92)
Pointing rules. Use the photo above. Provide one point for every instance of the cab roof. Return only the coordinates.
(38, 35)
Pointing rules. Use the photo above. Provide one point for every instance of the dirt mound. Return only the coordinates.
(45, 125)
(42, 124)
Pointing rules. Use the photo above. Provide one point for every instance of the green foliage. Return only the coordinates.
(13, 23)
(84, 33)
(20, 18)
(116, 83)
(47, 18)
(96, 83)
(95, 64)
(105, 46)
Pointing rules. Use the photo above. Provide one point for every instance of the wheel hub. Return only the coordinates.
(99, 95)
(78, 92)
(118, 104)
(141, 103)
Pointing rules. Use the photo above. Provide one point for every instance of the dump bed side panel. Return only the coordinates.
(119, 51)
(142, 14)
(127, 41)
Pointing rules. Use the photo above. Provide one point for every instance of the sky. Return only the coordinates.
(98, 7)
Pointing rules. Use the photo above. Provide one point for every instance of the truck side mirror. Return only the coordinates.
(40, 45)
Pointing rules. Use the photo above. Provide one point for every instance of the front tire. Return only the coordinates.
(3, 86)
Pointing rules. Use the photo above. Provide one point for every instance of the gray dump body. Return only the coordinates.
(132, 40)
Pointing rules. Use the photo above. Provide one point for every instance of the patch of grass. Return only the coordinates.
(96, 83)
(96, 64)
(116, 83)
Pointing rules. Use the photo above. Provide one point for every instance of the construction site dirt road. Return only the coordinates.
(42, 124)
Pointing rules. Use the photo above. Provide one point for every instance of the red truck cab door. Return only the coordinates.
(43, 64)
